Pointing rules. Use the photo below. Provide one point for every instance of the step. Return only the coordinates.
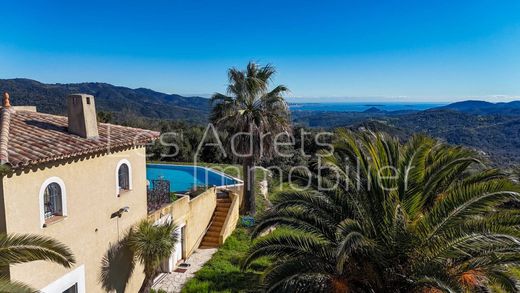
(212, 233)
(208, 246)
(217, 225)
(221, 213)
(222, 209)
(208, 243)
(219, 221)
(215, 232)
(211, 238)
(219, 218)
(224, 199)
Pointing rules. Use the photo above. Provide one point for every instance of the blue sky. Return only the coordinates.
(333, 50)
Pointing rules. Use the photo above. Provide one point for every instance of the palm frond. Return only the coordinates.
(21, 248)
(9, 286)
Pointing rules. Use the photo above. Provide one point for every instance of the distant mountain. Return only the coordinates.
(51, 98)
(493, 128)
(373, 110)
(484, 108)
(496, 135)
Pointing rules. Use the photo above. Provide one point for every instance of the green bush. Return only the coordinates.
(173, 196)
(196, 287)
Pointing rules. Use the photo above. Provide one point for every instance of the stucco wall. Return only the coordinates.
(88, 229)
(201, 212)
(179, 210)
(232, 217)
(195, 214)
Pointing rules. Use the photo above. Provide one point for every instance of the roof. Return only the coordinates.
(31, 138)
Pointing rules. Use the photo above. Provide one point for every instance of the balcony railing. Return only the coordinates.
(158, 194)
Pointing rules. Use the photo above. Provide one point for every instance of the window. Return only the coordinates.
(53, 201)
(123, 176)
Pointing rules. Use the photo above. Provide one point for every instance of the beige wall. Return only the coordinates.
(88, 229)
(232, 217)
(201, 212)
(195, 214)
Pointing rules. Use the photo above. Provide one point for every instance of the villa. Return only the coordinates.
(84, 183)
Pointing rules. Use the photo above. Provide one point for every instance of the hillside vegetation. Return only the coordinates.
(51, 98)
(497, 136)
(493, 128)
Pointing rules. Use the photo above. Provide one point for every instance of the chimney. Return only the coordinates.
(82, 115)
(6, 103)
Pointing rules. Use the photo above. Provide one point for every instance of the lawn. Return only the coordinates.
(222, 273)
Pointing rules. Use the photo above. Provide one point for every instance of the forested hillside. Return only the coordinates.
(51, 98)
(497, 135)
(493, 128)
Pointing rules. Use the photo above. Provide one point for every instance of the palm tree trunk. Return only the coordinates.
(146, 287)
(249, 186)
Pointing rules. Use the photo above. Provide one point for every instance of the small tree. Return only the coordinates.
(152, 244)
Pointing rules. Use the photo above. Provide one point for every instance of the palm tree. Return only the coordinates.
(152, 244)
(19, 248)
(250, 107)
(418, 217)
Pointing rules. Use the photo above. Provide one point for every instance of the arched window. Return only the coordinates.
(123, 176)
(53, 200)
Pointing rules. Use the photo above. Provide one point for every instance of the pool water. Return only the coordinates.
(183, 178)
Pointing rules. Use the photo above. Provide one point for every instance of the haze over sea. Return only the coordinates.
(362, 106)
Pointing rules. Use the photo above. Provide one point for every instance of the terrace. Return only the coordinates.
(167, 183)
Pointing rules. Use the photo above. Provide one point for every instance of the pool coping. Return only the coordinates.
(240, 181)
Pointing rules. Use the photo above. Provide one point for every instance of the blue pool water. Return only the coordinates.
(183, 178)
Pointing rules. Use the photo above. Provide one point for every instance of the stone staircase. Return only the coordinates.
(212, 237)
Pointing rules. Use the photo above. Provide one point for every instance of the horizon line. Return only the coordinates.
(492, 98)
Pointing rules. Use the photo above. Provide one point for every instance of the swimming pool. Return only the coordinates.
(183, 178)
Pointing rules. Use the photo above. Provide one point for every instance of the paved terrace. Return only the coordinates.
(173, 282)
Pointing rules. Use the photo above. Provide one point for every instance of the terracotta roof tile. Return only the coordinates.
(29, 138)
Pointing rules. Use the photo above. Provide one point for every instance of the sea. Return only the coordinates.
(360, 107)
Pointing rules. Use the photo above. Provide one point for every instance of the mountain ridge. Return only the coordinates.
(493, 128)
(51, 98)
(484, 107)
